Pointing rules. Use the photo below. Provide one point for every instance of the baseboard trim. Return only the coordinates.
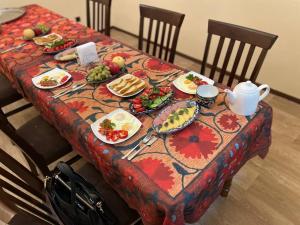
(195, 60)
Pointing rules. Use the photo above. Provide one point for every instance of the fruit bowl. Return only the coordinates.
(123, 70)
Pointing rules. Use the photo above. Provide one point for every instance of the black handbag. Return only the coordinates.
(75, 201)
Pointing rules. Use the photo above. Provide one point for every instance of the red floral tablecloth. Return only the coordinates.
(31, 54)
(175, 180)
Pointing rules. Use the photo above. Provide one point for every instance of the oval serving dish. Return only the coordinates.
(166, 112)
(164, 103)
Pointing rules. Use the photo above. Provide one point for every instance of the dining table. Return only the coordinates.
(174, 181)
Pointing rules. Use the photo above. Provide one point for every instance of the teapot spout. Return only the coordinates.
(230, 96)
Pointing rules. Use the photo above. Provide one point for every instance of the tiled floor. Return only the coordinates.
(264, 192)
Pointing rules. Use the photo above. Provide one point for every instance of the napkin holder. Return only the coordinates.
(87, 53)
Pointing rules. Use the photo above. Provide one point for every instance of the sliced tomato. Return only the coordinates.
(123, 134)
(64, 79)
(137, 106)
(142, 109)
(115, 135)
(137, 101)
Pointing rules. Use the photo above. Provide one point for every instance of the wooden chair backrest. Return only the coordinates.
(98, 15)
(244, 35)
(165, 18)
(20, 189)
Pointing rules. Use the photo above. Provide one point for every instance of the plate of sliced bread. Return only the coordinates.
(126, 86)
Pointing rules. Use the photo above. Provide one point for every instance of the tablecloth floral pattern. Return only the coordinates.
(175, 180)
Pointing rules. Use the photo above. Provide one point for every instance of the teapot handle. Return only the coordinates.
(266, 92)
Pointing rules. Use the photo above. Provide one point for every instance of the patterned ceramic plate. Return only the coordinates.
(51, 79)
(164, 103)
(123, 121)
(182, 118)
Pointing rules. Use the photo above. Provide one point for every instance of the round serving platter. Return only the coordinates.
(10, 14)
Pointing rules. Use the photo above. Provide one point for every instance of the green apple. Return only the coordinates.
(119, 60)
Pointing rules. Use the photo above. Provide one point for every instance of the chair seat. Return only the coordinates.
(8, 94)
(118, 206)
(45, 139)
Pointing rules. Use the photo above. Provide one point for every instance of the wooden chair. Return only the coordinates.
(20, 190)
(243, 35)
(39, 141)
(100, 9)
(166, 18)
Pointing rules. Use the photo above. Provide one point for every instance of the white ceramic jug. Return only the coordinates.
(244, 98)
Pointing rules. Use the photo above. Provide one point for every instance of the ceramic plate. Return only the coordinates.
(163, 115)
(10, 14)
(57, 74)
(118, 80)
(65, 53)
(43, 39)
(121, 118)
(180, 85)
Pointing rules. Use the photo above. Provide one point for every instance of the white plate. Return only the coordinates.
(69, 50)
(59, 73)
(123, 96)
(128, 118)
(57, 39)
(178, 84)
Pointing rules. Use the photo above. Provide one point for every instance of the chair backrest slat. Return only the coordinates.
(167, 17)
(156, 37)
(217, 57)
(20, 189)
(162, 40)
(247, 63)
(100, 15)
(226, 60)
(149, 35)
(168, 41)
(236, 63)
(246, 36)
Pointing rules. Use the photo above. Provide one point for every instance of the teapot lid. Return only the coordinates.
(246, 87)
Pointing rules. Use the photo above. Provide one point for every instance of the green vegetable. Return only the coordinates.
(190, 77)
(43, 28)
(56, 43)
(159, 101)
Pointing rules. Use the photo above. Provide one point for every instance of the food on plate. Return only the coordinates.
(58, 45)
(127, 85)
(176, 117)
(152, 98)
(49, 81)
(119, 60)
(67, 55)
(41, 29)
(28, 34)
(48, 39)
(196, 80)
(113, 67)
(99, 73)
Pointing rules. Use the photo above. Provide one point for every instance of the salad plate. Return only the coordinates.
(116, 127)
(176, 117)
(189, 82)
(58, 46)
(151, 100)
(51, 79)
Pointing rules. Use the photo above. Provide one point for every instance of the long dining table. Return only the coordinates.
(180, 175)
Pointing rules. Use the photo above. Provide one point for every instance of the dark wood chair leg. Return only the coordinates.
(226, 188)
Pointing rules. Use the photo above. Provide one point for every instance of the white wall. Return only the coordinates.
(281, 68)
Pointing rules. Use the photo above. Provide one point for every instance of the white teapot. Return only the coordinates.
(244, 98)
